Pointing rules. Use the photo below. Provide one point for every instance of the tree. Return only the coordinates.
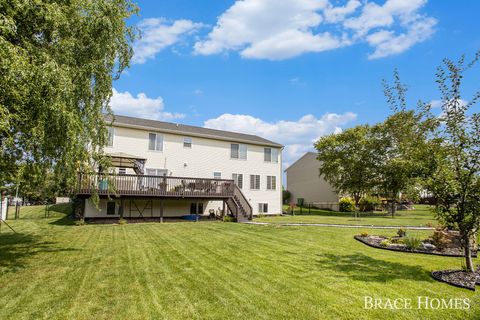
(398, 142)
(346, 161)
(58, 60)
(455, 146)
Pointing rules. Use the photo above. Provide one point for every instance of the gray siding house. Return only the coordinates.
(303, 181)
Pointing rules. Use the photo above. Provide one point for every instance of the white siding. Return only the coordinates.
(205, 157)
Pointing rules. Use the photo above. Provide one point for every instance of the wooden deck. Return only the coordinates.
(154, 186)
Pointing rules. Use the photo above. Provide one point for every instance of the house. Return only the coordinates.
(165, 170)
(304, 182)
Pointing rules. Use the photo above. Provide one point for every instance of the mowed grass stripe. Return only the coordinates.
(207, 283)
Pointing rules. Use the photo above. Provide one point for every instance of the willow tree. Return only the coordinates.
(57, 63)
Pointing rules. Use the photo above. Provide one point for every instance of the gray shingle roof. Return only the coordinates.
(190, 130)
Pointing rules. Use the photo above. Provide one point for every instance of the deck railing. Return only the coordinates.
(145, 185)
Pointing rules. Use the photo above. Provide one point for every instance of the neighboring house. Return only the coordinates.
(171, 170)
(304, 181)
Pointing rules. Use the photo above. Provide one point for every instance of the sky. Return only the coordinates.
(288, 70)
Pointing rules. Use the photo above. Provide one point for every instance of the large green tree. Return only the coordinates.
(57, 63)
(454, 154)
(346, 161)
(399, 141)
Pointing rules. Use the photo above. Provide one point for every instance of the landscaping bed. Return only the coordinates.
(442, 242)
(458, 278)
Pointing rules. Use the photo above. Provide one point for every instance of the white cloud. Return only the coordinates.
(141, 106)
(374, 20)
(337, 14)
(297, 136)
(277, 30)
(158, 34)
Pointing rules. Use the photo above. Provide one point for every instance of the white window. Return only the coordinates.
(155, 142)
(238, 179)
(217, 175)
(238, 151)
(271, 183)
(122, 171)
(156, 172)
(262, 207)
(110, 136)
(254, 182)
(270, 155)
(187, 142)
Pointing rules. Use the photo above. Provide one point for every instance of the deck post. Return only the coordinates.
(161, 211)
(196, 211)
(121, 207)
(223, 209)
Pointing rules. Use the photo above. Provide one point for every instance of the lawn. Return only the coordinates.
(53, 269)
(421, 216)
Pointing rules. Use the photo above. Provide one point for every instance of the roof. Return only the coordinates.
(301, 158)
(168, 127)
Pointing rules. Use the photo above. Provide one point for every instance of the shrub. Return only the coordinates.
(228, 219)
(440, 238)
(364, 234)
(286, 195)
(412, 242)
(385, 243)
(402, 232)
(122, 221)
(368, 203)
(261, 215)
(397, 240)
(80, 222)
(347, 205)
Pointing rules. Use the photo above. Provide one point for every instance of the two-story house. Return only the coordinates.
(170, 170)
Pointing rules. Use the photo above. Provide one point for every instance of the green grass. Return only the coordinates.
(421, 216)
(52, 269)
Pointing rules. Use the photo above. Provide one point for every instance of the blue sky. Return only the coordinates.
(289, 70)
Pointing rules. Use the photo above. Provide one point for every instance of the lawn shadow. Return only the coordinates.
(360, 267)
(17, 248)
(65, 220)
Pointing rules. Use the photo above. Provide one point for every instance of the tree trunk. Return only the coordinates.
(356, 198)
(468, 253)
(393, 207)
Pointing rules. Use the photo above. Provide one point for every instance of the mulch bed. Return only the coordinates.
(375, 243)
(458, 278)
